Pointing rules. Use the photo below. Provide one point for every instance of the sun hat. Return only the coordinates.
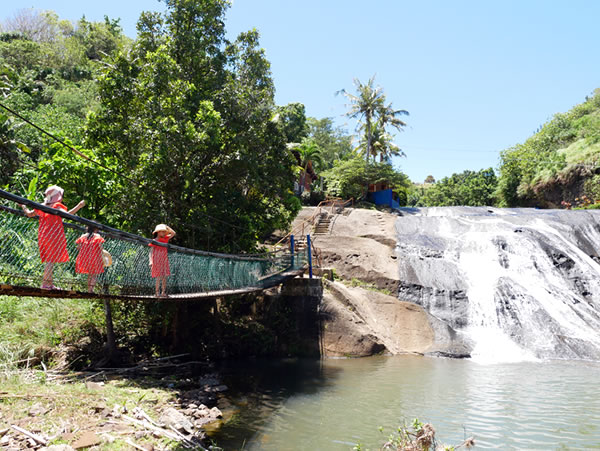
(160, 228)
(106, 258)
(53, 194)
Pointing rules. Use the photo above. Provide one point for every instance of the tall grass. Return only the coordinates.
(28, 325)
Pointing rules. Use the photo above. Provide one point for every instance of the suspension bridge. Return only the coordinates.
(195, 274)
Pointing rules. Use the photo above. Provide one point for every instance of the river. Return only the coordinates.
(336, 404)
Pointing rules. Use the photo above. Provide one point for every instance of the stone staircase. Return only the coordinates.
(323, 224)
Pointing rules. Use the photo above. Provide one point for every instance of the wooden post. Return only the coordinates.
(111, 346)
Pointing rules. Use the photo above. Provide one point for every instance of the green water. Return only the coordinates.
(335, 404)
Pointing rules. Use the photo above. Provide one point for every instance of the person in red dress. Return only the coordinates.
(159, 258)
(51, 234)
(89, 260)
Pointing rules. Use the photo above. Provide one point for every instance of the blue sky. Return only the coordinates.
(477, 76)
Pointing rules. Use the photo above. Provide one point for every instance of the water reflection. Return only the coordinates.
(333, 404)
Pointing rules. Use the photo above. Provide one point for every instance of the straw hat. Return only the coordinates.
(160, 228)
(106, 258)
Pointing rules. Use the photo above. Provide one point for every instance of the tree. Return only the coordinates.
(388, 116)
(381, 144)
(10, 149)
(365, 105)
(368, 105)
(188, 116)
(309, 154)
(334, 142)
(348, 178)
(468, 188)
(292, 118)
(37, 26)
(429, 179)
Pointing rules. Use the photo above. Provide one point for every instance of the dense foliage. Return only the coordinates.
(181, 123)
(470, 188)
(559, 162)
(348, 178)
(188, 116)
(334, 143)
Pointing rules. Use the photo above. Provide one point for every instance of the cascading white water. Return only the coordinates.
(522, 283)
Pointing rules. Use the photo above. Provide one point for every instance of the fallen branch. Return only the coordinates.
(171, 357)
(156, 429)
(93, 375)
(176, 435)
(130, 443)
(31, 435)
(6, 395)
(183, 438)
(138, 411)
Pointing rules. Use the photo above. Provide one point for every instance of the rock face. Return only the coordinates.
(520, 283)
(360, 244)
(357, 322)
(523, 283)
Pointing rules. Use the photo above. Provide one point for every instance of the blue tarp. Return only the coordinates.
(384, 197)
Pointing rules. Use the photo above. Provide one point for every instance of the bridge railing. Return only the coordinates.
(192, 271)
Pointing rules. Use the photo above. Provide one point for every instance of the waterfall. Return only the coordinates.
(523, 284)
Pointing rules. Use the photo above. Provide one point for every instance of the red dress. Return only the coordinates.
(89, 260)
(51, 236)
(160, 258)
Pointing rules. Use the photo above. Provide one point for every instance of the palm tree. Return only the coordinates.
(309, 153)
(367, 104)
(381, 144)
(389, 116)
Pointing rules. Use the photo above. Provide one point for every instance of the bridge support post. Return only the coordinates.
(310, 271)
(304, 296)
(110, 349)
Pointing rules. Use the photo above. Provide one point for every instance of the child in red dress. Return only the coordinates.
(159, 258)
(89, 260)
(51, 235)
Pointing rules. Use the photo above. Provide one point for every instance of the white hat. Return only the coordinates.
(53, 194)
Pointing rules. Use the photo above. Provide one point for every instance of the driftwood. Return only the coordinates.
(138, 412)
(176, 435)
(130, 443)
(36, 438)
(145, 366)
(158, 430)
(181, 436)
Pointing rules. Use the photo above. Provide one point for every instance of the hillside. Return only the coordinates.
(558, 166)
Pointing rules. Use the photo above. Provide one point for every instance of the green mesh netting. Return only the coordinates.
(191, 271)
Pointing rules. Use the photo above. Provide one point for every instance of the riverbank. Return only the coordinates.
(161, 404)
